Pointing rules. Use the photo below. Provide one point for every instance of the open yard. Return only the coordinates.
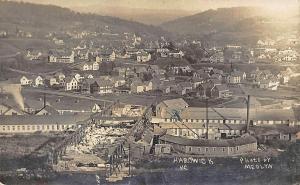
(21, 145)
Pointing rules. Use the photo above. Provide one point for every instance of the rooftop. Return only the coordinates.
(43, 119)
(245, 139)
(176, 103)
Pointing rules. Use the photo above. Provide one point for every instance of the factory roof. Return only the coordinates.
(176, 103)
(239, 114)
(194, 125)
(245, 139)
(275, 114)
(41, 120)
(214, 113)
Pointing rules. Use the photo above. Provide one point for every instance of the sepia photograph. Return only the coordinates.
(149, 92)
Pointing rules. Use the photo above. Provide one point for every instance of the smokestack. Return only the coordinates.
(44, 100)
(248, 113)
(206, 104)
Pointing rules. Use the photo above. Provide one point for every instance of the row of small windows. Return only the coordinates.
(204, 121)
(182, 131)
(36, 127)
(214, 149)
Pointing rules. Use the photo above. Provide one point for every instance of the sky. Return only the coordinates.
(190, 5)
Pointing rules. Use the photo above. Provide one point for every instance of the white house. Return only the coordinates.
(33, 55)
(78, 77)
(71, 84)
(96, 108)
(176, 54)
(139, 87)
(217, 57)
(38, 81)
(266, 42)
(90, 66)
(62, 57)
(143, 57)
(236, 77)
(26, 81)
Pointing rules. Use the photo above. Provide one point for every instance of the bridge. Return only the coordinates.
(76, 137)
(118, 155)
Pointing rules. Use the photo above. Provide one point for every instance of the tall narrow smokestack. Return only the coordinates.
(248, 113)
(206, 104)
(44, 100)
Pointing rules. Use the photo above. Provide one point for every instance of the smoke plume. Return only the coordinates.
(15, 91)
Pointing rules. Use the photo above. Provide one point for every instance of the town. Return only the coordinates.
(102, 101)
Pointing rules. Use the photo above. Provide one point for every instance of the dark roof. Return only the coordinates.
(275, 114)
(243, 140)
(214, 113)
(275, 129)
(222, 87)
(103, 82)
(43, 119)
(239, 114)
(50, 110)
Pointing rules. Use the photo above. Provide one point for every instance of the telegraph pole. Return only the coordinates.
(206, 103)
(129, 165)
(248, 113)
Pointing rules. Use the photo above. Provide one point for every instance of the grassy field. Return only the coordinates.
(18, 146)
(24, 44)
(7, 49)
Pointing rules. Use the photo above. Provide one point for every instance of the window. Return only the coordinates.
(8, 127)
(190, 149)
(223, 149)
(18, 127)
(28, 127)
(199, 149)
(23, 127)
(214, 149)
(3, 128)
(13, 127)
(38, 127)
(206, 149)
(180, 132)
(237, 148)
(53, 127)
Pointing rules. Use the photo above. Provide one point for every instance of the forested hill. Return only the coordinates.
(45, 18)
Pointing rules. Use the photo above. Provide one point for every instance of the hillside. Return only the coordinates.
(142, 15)
(45, 18)
(228, 23)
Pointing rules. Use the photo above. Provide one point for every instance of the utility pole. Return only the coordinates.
(206, 118)
(248, 113)
(129, 170)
